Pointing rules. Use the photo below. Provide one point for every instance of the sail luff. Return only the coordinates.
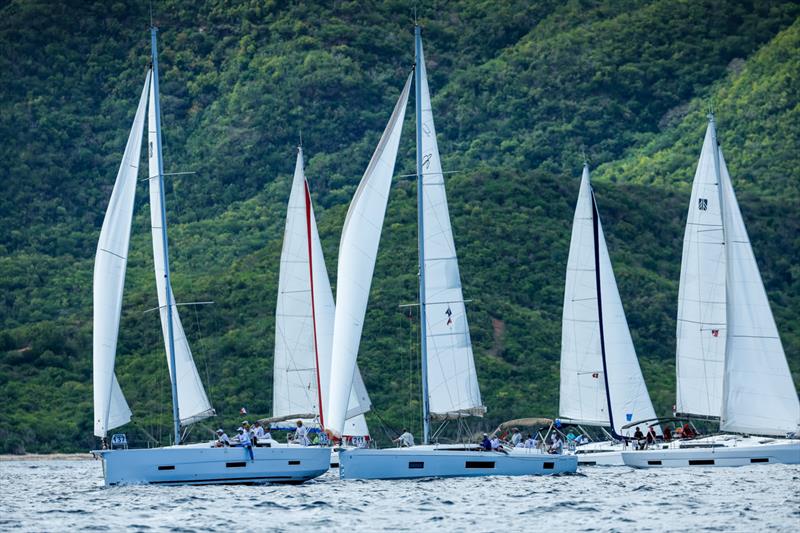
(358, 250)
(110, 408)
(452, 379)
(759, 396)
(701, 321)
(190, 403)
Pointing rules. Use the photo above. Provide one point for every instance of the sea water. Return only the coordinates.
(69, 496)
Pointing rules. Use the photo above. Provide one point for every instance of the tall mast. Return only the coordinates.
(718, 175)
(170, 334)
(426, 409)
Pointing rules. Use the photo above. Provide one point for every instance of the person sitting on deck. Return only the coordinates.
(667, 434)
(638, 438)
(486, 444)
(496, 444)
(531, 442)
(556, 444)
(406, 439)
(245, 442)
(651, 436)
(222, 439)
(688, 431)
(258, 433)
(516, 437)
(301, 434)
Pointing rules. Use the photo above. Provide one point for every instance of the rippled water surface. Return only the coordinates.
(69, 495)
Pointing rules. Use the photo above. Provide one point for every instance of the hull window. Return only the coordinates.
(548, 465)
(416, 464)
(292, 463)
(479, 464)
(236, 465)
(166, 467)
(654, 463)
(701, 462)
(759, 460)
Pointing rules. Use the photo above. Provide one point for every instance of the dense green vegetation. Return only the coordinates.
(521, 90)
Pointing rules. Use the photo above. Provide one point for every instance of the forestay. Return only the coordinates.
(358, 250)
(110, 408)
(193, 403)
(588, 386)
(303, 334)
(701, 330)
(452, 380)
(759, 395)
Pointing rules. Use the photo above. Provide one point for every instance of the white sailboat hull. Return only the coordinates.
(708, 452)
(202, 465)
(431, 461)
(606, 453)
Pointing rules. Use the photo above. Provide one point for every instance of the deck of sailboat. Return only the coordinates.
(720, 450)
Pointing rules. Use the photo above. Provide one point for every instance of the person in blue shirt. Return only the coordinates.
(486, 443)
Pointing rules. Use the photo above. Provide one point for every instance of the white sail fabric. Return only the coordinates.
(110, 408)
(701, 321)
(303, 351)
(358, 250)
(759, 395)
(584, 398)
(193, 404)
(452, 380)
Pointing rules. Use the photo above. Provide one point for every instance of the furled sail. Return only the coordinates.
(701, 329)
(193, 404)
(358, 250)
(452, 380)
(304, 334)
(110, 408)
(758, 394)
(597, 376)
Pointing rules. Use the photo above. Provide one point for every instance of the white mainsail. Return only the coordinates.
(452, 380)
(193, 403)
(358, 250)
(758, 393)
(303, 335)
(701, 329)
(110, 408)
(584, 396)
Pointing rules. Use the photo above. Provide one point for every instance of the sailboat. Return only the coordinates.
(449, 379)
(180, 463)
(304, 316)
(601, 382)
(730, 361)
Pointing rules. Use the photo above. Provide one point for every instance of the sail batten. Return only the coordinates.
(110, 408)
(358, 250)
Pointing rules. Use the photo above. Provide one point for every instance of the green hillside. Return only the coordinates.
(521, 90)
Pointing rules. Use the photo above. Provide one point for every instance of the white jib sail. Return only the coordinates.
(358, 250)
(303, 351)
(701, 321)
(110, 408)
(452, 380)
(193, 403)
(584, 397)
(759, 395)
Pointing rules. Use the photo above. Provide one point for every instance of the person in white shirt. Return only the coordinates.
(222, 439)
(556, 444)
(301, 434)
(258, 433)
(495, 443)
(530, 442)
(245, 442)
(516, 437)
(406, 439)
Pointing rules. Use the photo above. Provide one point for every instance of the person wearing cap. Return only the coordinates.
(245, 442)
(301, 434)
(556, 444)
(406, 439)
(486, 444)
(516, 437)
(222, 439)
(258, 433)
